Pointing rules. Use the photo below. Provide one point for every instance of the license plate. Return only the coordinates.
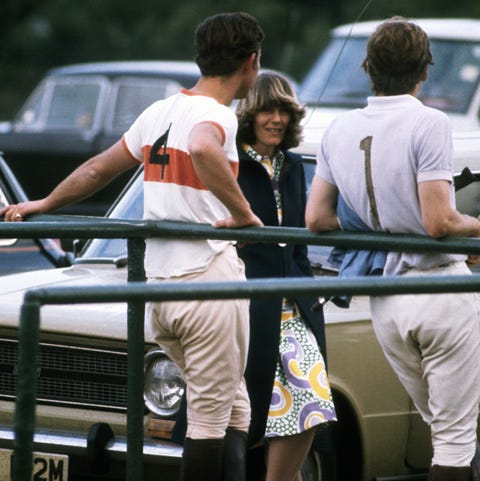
(46, 466)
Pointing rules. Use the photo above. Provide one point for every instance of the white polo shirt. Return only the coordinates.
(392, 144)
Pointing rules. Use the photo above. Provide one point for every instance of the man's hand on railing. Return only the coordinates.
(473, 260)
(18, 212)
(237, 222)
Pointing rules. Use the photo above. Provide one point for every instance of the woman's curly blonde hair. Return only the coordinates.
(271, 90)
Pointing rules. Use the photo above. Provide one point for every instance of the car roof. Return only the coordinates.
(130, 67)
(444, 28)
(162, 68)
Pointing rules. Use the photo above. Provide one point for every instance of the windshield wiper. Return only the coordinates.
(120, 261)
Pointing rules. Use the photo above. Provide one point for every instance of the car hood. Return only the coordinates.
(99, 319)
(314, 124)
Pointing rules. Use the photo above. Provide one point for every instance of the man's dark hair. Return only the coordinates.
(224, 41)
(397, 54)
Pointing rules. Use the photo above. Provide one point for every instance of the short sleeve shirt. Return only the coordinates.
(377, 155)
(172, 190)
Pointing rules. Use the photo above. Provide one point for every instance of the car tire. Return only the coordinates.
(319, 466)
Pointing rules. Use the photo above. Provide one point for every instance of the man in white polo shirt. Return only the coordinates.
(187, 146)
(392, 164)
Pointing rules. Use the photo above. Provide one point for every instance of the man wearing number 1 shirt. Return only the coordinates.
(187, 144)
(391, 164)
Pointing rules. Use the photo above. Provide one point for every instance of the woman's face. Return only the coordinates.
(270, 127)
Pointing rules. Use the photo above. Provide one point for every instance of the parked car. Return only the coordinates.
(336, 82)
(77, 111)
(82, 379)
(18, 255)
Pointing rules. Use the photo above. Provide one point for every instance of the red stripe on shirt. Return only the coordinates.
(179, 170)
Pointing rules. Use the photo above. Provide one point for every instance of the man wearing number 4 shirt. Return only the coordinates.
(391, 164)
(188, 147)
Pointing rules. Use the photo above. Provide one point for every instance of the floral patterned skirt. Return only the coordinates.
(301, 397)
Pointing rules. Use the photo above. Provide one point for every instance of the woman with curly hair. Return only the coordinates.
(286, 374)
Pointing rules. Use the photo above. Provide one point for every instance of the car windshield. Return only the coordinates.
(133, 95)
(130, 206)
(337, 78)
(63, 103)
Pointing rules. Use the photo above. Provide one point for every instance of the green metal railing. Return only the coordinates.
(58, 226)
(136, 293)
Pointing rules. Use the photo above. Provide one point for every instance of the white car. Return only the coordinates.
(337, 82)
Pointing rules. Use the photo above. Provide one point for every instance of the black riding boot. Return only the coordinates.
(202, 460)
(449, 473)
(235, 455)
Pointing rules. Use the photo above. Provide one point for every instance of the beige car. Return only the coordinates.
(82, 382)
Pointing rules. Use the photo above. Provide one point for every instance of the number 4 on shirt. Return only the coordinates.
(158, 153)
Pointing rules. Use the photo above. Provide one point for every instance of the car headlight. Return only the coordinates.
(164, 384)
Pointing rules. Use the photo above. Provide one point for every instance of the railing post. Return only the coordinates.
(28, 338)
(135, 346)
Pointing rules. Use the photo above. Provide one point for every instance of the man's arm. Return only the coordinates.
(213, 169)
(439, 218)
(88, 178)
(321, 211)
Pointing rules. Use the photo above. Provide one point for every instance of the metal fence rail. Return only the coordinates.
(136, 293)
(58, 226)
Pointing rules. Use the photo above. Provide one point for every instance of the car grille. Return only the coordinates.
(70, 376)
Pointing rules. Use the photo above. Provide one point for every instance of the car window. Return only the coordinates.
(309, 165)
(30, 114)
(63, 103)
(133, 95)
(130, 206)
(73, 106)
(454, 77)
(337, 79)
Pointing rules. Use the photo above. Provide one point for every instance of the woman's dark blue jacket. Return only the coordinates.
(271, 260)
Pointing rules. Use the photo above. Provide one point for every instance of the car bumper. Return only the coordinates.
(156, 453)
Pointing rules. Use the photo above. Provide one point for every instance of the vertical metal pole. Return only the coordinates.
(28, 338)
(135, 346)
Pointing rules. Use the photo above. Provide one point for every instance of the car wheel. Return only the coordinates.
(319, 466)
